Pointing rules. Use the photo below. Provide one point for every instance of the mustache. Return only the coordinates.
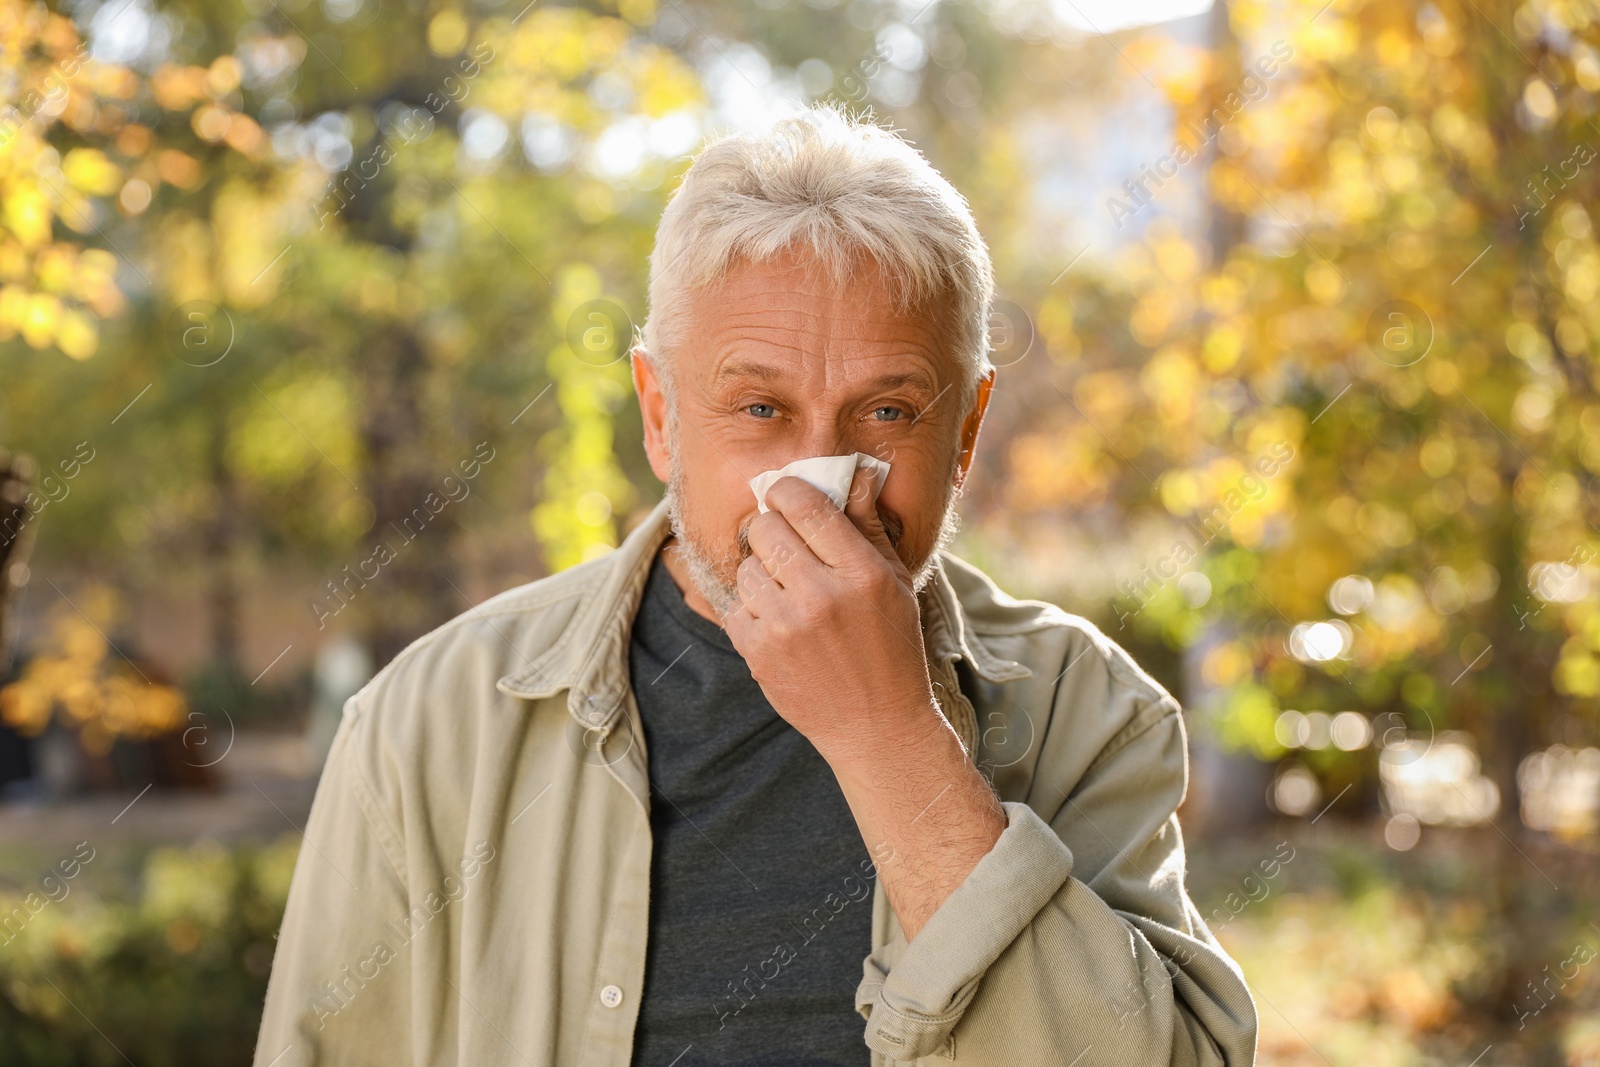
(893, 528)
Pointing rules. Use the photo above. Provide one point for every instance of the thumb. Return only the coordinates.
(863, 511)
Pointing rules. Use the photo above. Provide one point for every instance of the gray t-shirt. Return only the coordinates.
(760, 883)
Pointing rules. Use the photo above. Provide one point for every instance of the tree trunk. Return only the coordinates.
(415, 591)
(1226, 227)
(16, 533)
(221, 537)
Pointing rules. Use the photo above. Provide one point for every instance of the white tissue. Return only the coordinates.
(831, 474)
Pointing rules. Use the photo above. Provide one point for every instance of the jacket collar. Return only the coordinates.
(590, 658)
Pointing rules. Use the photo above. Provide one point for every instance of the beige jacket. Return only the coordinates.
(474, 886)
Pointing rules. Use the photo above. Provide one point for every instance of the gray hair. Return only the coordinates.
(834, 185)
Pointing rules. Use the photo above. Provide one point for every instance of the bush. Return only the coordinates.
(173, 978)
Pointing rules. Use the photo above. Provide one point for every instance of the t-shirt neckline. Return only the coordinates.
(664, 588)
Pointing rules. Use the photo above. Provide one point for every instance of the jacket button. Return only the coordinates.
(611, 996)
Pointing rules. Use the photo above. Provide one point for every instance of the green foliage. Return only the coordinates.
(173, 977)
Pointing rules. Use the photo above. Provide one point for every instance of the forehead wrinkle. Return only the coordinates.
(806, 329)
(841, 304)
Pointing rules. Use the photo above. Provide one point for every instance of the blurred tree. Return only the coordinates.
(442, 264)
(1391, 377)
(54, 289)
(335, 320)
(16, 483)
(71, 146)
(1365, 436)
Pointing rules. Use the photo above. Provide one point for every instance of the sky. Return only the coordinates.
(1108, 15)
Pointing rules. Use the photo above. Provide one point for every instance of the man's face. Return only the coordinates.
(780, 363)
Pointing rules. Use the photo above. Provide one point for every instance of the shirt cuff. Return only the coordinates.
(913, 994)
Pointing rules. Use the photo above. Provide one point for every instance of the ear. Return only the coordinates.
(970, 425)
(653, 409)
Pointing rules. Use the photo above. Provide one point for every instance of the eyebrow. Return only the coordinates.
(736, 368)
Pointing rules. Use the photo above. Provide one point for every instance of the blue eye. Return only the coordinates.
(892, 418)
(769, 408)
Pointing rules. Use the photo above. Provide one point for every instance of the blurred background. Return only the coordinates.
(1297, 400)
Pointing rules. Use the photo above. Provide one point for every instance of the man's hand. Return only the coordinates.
(828, 622)
(833, 633)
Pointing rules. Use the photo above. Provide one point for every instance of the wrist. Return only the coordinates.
(899, 733)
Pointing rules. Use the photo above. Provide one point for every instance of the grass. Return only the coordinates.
(1362, 956)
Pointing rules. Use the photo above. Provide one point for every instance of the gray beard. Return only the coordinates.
(706, 567)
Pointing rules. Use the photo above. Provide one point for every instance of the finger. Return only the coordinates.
(830, 535)
(780, 548)
(756, 588)
(737, 625)
(862, 509)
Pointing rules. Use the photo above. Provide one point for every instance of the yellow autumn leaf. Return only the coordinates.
(27, 214)
(447, 32)
(88, 169)
(176, 88)
(40, 321)
(664, 83)
(223, 76)
(77, 336)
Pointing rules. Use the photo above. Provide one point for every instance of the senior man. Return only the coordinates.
(634, 813)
